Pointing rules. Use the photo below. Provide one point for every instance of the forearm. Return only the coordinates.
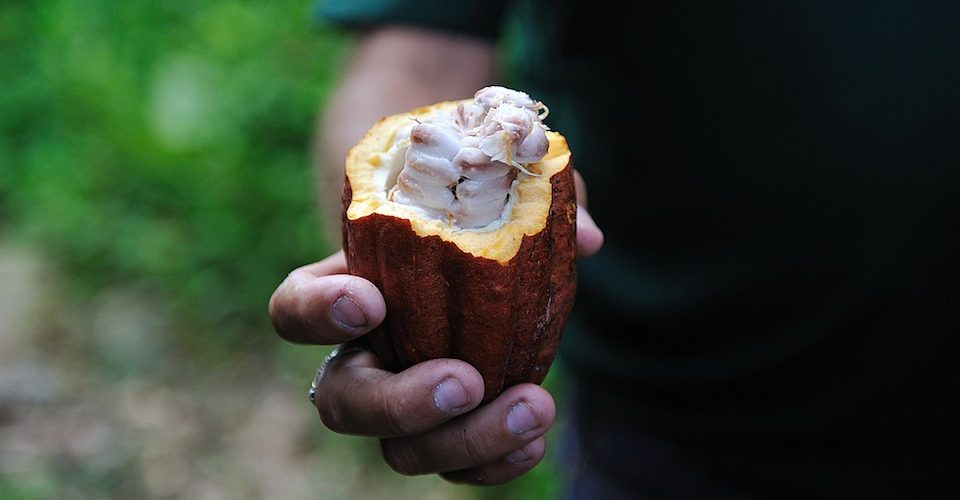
(394, 69)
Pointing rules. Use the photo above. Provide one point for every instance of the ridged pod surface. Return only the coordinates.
(496, 298)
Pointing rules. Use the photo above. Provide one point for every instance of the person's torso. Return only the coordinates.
(777, 185)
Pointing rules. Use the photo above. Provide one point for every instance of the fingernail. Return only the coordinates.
(347, 313)
(450, 396)
(520, 419)
(517, 456)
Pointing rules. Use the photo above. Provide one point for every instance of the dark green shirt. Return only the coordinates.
(778, 185)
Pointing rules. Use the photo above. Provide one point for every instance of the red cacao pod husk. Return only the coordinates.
(496, 299)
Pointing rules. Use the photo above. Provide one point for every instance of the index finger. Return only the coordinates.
(320, 304)
(589, 235)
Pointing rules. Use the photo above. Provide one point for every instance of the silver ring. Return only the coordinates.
(312, 393)
(337, 351)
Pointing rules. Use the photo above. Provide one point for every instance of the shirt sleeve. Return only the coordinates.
(475, 18)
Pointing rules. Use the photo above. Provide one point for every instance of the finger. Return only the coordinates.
(316, 307)
(589, 236)
(580, 186)
(509, 468)
(356, 396)
(334, 264)
(517, 417)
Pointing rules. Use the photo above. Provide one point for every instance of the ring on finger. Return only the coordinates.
(337, 351)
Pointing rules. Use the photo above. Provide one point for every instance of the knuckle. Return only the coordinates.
(392, 412)
(287, 313)
(332, 416)
(475, 449)
(401, 457)
(276, 309)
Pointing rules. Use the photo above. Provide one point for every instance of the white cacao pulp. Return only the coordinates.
(460, 168)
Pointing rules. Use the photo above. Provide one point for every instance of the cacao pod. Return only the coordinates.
(496, 297)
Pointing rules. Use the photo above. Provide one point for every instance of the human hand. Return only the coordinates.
(426, 416)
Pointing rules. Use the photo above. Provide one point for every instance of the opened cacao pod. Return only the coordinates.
(471, 241)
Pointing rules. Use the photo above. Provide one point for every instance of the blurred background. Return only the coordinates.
(155, 186)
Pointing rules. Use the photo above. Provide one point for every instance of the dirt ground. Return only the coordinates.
(96, 401)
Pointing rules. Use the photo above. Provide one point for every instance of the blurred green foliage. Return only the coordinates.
(165, 145)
